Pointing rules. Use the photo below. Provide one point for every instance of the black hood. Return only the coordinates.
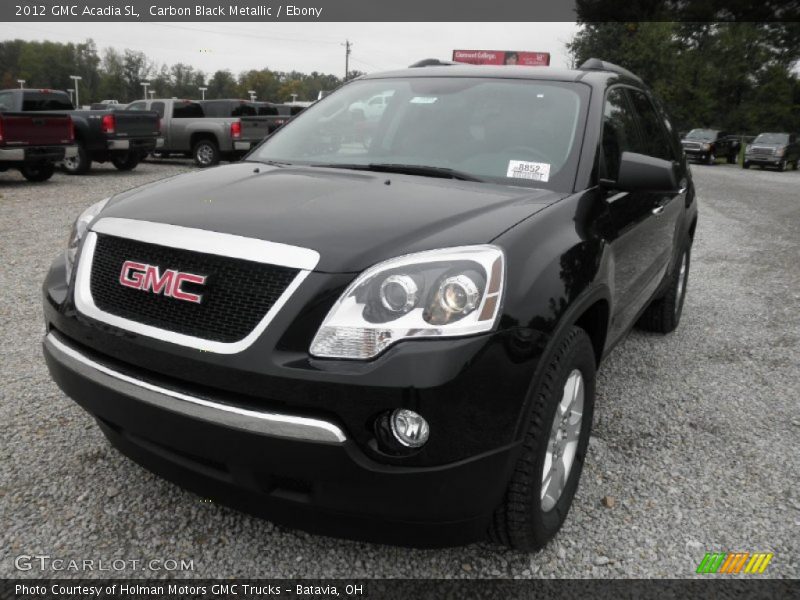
(352, 218)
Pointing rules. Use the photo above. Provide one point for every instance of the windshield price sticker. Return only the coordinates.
(521, 169)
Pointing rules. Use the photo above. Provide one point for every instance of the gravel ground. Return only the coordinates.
(696, 436)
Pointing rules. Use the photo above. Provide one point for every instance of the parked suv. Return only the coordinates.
(772, 150)
(706, 145)
(395, 341)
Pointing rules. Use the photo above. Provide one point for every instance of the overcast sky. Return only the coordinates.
(303, 46)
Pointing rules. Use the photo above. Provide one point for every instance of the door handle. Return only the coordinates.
(658, 210)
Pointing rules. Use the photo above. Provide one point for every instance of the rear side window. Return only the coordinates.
(619, 132)
(6, 101)
(159, 108)
(137, 106)
(267, 110)
(187, 110)
(243, 110)
(38, 102)
(653, 141)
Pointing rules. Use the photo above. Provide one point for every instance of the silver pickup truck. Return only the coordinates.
(194, 129)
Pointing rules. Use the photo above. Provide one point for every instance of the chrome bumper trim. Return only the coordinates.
(119, 144)
(265, 423)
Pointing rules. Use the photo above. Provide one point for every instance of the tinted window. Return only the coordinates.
(159, 108)
(243, 109)
(267, 110)
(137, 106)
(187, 110)
(39, 101)
(654, 141)
(619, 131)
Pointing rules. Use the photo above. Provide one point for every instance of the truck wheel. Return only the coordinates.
(41, 172)
(782, 165)
(711, 158)
(205, 153)
(546, 475)
(126, 162)
(80, 164)
(664, 313)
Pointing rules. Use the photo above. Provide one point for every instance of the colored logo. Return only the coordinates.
(734, 562)
(149, 278)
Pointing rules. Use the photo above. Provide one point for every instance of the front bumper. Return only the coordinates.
(761, 159)
(303, 472)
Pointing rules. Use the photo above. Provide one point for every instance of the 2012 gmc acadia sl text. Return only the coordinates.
(390, 334)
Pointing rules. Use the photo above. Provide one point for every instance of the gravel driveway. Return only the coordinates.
(696, 442)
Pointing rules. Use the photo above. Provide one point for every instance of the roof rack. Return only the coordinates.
(433, 62)
(595, 64)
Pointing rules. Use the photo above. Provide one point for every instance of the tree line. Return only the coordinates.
(114, 74)
(739, 77)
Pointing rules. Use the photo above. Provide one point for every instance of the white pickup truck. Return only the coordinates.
(193, 128)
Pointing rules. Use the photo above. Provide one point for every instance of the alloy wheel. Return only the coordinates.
(562, 446)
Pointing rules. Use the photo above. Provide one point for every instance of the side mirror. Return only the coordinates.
(640, 173)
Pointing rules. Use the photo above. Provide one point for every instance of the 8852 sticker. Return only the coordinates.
(521, 169)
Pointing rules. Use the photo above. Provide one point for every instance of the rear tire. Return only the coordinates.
(41, 172)
(80, 164)
(533, 510)
(205, 153)
(664, 313)
(126, 162)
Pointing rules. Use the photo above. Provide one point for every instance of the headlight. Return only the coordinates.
(79, 229)
(706, 146)
(779, 151)
(438, 293)
(748, 148)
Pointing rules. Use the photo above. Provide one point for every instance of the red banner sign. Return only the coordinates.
(502, 57)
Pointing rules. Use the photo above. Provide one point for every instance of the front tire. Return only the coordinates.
(664, 313)
(126, 162)
(80, 164)
(546, 475)
(205, 153)
(41, 172)
(782, 166)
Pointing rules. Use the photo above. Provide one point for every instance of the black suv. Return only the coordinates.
(772, 150)
(706, 145)
(397, 340)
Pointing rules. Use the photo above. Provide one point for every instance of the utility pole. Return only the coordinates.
(76, 79)
(347, 46)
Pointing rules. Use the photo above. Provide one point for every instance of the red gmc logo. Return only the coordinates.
(148, 278)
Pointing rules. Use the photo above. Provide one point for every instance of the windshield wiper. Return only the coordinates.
(274, 163)
(424, 170)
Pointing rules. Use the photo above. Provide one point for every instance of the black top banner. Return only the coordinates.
(399, 10)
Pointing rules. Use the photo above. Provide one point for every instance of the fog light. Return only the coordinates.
(409, 428)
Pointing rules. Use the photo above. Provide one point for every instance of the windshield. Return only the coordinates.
(707, 135)
(509, 131)
(772, 138)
